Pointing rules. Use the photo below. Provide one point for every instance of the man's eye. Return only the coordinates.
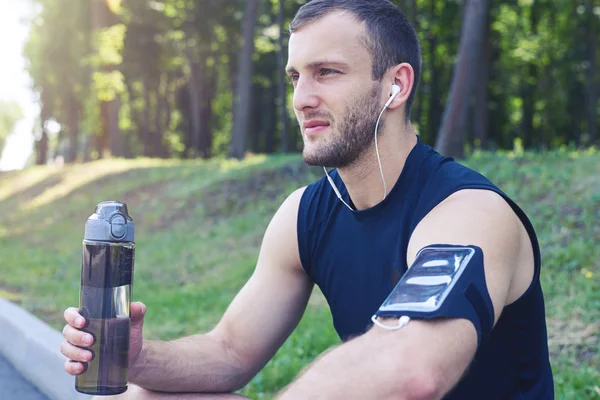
(294, 78)
(328, 71)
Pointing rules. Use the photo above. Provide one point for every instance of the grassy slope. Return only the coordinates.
(199, 226)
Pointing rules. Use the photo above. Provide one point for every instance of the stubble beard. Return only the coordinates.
(352, 136)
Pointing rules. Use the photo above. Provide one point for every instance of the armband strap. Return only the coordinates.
(445, 281)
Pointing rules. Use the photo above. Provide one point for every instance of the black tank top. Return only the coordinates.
(356, 257)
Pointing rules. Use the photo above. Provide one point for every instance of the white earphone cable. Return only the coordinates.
(379, 158)
(335, 189)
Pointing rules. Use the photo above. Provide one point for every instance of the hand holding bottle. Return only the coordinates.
(77, 342)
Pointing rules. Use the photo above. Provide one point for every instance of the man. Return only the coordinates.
(355, 66)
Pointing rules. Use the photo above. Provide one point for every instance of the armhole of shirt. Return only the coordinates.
(315, 209)
(301, 228)
(522, 217)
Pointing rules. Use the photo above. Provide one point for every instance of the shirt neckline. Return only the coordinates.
(406, 176)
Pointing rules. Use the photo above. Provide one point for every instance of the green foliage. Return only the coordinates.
(172, 65)
(10, 113)
(199, 226)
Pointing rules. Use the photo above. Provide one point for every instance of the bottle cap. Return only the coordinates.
(110, 222)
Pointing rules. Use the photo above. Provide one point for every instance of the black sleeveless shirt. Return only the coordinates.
(355, 257)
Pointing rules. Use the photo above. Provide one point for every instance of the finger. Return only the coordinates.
(75, 353)
(77, 337)
(75, 368)
(73, 317)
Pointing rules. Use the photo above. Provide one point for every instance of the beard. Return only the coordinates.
(351, 136)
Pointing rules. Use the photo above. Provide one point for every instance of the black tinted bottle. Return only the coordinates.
(105, 298)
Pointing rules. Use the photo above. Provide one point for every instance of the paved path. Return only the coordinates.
(14, 387)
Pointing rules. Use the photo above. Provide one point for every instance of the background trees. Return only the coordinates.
(10, 113)
(202, 78)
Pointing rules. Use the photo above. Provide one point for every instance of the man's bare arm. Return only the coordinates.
(137, 393)
(257, 322)
(425, 359)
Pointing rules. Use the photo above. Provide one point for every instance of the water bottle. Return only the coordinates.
(105, 298)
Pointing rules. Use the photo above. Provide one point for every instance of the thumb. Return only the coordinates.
(138, 310)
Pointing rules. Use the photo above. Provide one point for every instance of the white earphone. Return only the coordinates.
(395, 90)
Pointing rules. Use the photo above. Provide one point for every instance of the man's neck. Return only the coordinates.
(363, 178)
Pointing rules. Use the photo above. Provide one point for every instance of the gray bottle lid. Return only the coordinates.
(110, 222)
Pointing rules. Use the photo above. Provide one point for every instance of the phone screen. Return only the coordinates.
(428, 281)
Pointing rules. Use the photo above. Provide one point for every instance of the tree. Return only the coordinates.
(10, 113)
(57, 53)
(107, 78)
(592, 76)
(202, 78)
(282, 88)
(480, 106)
(244, 87)
(452, 134)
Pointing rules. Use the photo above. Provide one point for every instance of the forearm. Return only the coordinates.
(199, 363)
(423, 360)
(360, 369)
(137, 393)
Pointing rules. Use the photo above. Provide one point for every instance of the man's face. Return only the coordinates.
(336, 101)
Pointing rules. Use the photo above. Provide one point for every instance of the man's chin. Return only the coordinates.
(310, 158)
(316, 161)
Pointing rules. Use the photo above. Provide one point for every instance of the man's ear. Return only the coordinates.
(403, 77)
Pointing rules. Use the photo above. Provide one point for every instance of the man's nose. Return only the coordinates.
(305, 95)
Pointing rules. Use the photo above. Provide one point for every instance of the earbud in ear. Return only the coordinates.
(395, 90)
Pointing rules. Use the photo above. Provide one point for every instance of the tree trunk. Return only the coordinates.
(592, 74)
(433, 120)
(162, 115)
(233, 64)
(42, 145)
(158, 132)
(496, 99)
(481, 107)
(182, 102)
(451, 136)
(244, 90)
(103, 146)
(145, 131)
(271, 119)
(103, 17)
(434, 94)
(256, 119)
(134, 114)
(168, 96)
(528, 107)
(114, 133)
(529, 84)
(195, 101)
(282, 87)
(73, 128)
(206, 115)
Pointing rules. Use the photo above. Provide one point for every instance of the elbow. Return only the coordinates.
(420, 387)
(234, 370)
(241, 373)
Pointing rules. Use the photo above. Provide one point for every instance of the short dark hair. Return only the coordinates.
(391, 38)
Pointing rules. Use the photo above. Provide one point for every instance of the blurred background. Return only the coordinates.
(99, 78)
(181, 109)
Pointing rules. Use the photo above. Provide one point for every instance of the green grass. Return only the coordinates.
(199, 226)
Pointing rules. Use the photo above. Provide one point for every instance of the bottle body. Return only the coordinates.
(104, 301)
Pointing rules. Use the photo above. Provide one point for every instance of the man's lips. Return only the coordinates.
(315, 126)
